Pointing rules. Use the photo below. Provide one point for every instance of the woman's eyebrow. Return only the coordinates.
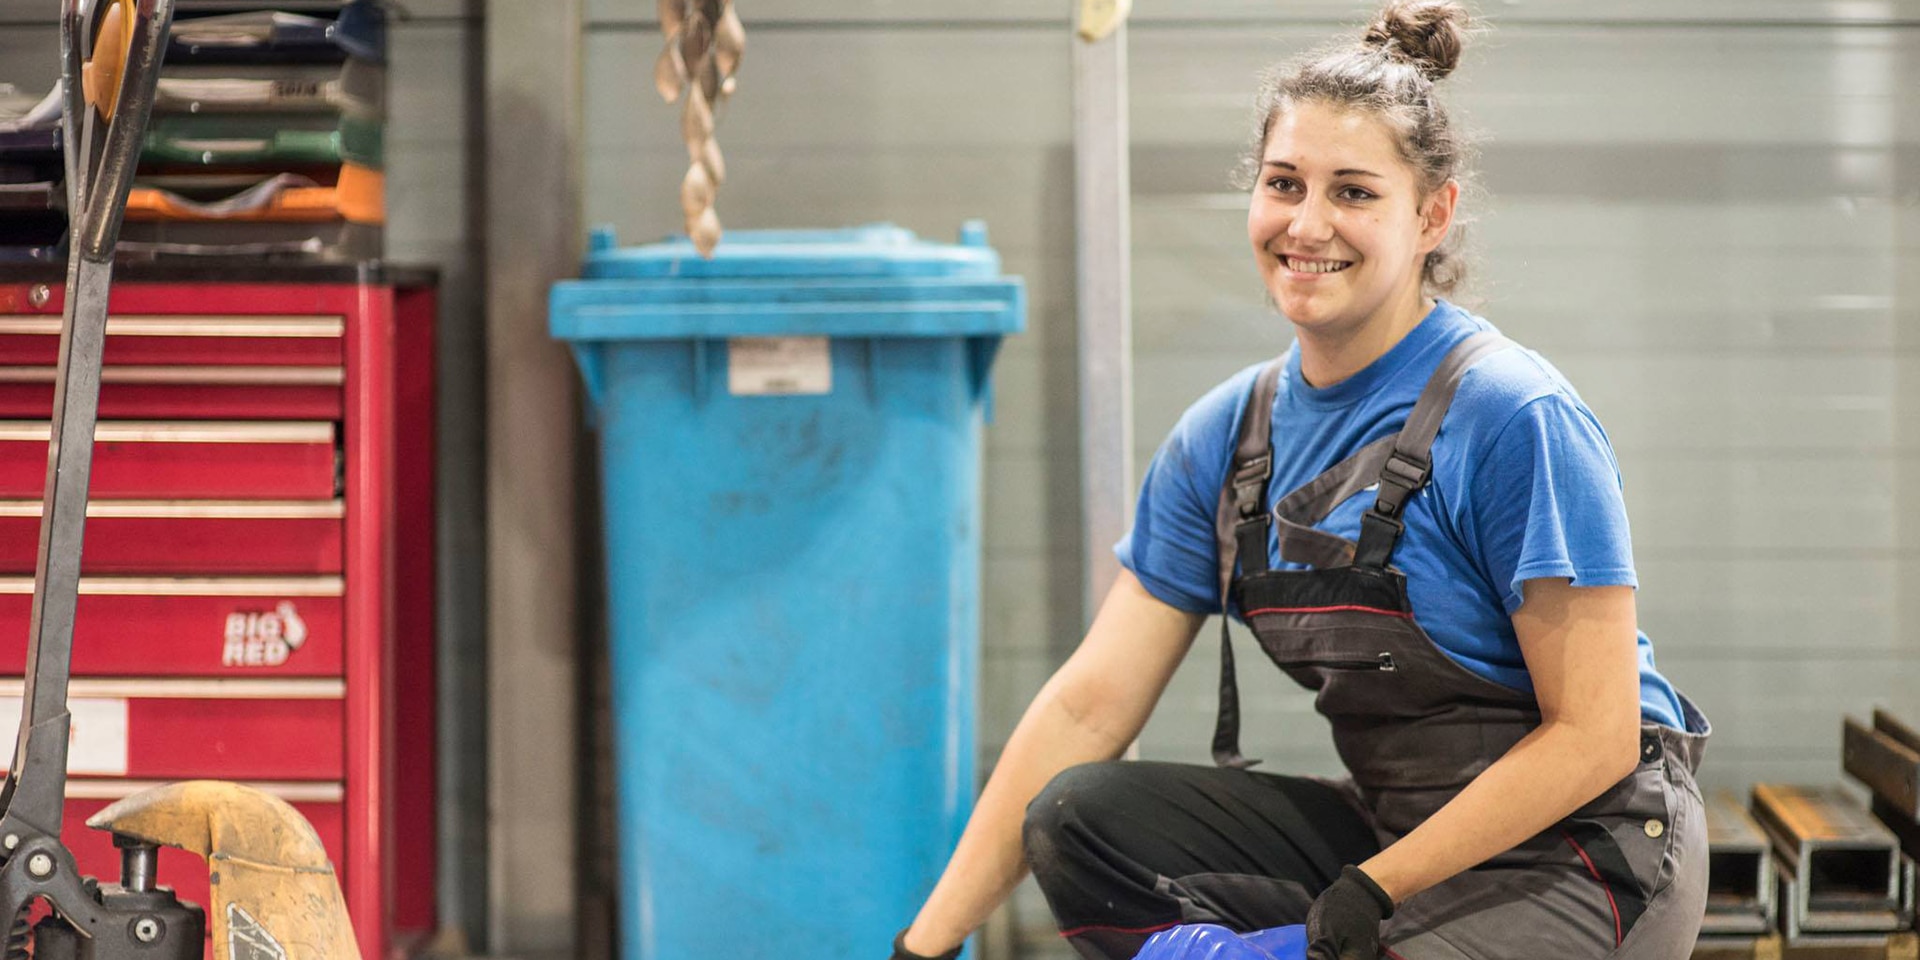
(1342, 172)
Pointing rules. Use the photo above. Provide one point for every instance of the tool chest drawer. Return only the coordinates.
(188, 537)
(187, 367)
(177, 729)
(186, 393)
(185, 872)
(213, 627)
(136, 460)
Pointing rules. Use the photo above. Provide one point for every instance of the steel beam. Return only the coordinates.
(533, 237)
(1840, 870)
(1885, 757)
(1740, 878)
(1103, 240)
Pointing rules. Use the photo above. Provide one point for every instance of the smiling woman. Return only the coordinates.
(1421, 522)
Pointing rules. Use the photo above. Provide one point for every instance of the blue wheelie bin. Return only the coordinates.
(790, 446)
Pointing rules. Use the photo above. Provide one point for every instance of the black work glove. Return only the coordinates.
(1344, 921)
(900, 951)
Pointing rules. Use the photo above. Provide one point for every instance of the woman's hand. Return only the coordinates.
(1344, 921)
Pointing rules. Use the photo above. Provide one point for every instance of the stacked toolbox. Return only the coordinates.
(33, 219)
(267, 134)
(256, 596)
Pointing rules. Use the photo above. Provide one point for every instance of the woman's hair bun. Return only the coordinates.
(1425, 33)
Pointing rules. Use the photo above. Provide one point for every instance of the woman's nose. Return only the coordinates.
(1312, 221)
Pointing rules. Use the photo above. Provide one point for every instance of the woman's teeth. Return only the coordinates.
(1317, 266)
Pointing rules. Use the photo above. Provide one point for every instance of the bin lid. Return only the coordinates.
(872, 281)
(875, 250)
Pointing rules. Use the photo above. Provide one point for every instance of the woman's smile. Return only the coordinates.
(1312, 268)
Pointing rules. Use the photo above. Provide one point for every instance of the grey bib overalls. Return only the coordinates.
(1623, 877)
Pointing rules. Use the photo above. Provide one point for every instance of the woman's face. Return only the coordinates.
(1340, 230)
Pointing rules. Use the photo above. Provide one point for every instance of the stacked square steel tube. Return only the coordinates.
(1813, 872)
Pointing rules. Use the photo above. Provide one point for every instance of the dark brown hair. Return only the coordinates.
(1409, 47)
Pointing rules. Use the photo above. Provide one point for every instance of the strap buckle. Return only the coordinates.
(1250, 486)
(1400, 477)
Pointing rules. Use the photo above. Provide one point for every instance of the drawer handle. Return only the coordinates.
(278, 587)
(192, 509)
(262, 328)
(192, 689)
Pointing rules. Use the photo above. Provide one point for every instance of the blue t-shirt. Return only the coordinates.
(1524, 485)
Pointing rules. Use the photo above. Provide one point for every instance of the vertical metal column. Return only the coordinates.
(533, 237)
(1103, 237)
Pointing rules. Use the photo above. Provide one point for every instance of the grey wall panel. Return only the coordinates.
(430, 184)
(30, 56)
(1709, 504)
(1701, 401)
(1740, 605)
(1567, 85)
(852, 93)
(1789, 709)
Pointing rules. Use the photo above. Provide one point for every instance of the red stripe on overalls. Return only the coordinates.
(1349, 608)
(1076, 931)
(1604, 885)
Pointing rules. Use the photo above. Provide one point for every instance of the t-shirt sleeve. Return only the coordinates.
(1170, 547)
(1546, 502)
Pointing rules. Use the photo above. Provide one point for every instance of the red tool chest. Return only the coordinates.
(256, 601)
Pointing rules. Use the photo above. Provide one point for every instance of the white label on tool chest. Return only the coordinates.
(96, 740)
(262, 638)
(762, 366)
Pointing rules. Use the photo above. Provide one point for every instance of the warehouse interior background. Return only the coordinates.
(1706, 213)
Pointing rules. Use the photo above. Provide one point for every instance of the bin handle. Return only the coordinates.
(593, 377)
(980, 354)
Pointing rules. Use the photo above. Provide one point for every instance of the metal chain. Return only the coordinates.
(704, 41)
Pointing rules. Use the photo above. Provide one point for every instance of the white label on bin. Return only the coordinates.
(760, 366)
(96, 738)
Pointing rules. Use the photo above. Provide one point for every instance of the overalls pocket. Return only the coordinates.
(1621, 838)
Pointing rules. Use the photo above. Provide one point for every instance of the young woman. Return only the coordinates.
(1423, 523)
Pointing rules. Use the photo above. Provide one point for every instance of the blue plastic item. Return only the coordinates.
(792, 545)
(1206, 941)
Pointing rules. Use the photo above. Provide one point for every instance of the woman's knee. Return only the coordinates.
(1068, 811)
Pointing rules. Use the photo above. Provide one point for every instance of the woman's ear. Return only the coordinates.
(1436, 215)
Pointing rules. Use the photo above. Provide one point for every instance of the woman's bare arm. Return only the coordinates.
(1580, 648)
(1091, 709)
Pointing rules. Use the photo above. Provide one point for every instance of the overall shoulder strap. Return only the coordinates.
(1240, 541)
(1240, 523)
(1410, 465)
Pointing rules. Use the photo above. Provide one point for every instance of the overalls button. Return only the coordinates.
(1655, 828)
(1649, 748)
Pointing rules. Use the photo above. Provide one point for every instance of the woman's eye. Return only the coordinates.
(1283, 184)
(1356, 193)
